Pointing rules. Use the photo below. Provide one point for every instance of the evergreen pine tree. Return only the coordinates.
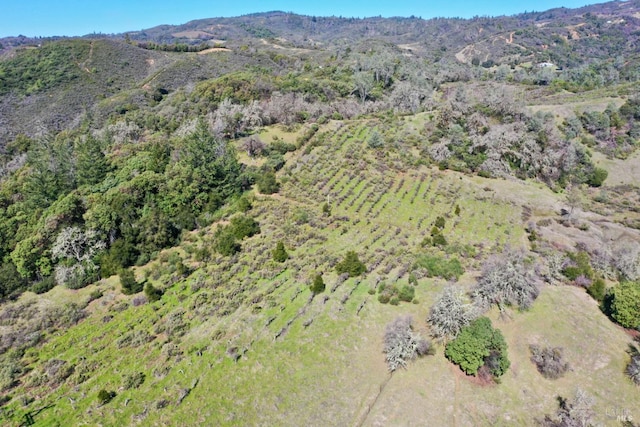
(280, 253)
(91, 164)
(318, 285)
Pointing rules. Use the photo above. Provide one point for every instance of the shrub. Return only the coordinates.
(44, 285)
(351, 265)
(267, 183)
(105, 396)
(225, 242)
(326, 209)
(597, 178)
(549, 361)
(152, 293)
(440, 267)
(402, 344)
(625, 304)
(95, 294)
(129, 283)
(133, 380)
(579, 265)
(438, 240)
(280, 253)
(579, 412)
(384, 298)
(375, 140)
(474, 346)
(633, 369)
(318, 285)
(243, 226)
(597, 290)
(243, 204)
(406, 293)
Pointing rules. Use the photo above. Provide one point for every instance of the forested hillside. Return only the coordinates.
(291, 220)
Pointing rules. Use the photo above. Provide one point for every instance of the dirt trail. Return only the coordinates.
(365, 415)
(83, 65)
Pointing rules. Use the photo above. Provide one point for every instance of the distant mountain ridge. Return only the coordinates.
(563, 37)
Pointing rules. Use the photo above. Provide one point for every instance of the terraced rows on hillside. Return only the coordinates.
(242, 340)
(234, 310)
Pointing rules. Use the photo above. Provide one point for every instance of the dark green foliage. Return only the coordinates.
(351, 265)
(128, 282)
(304, 138)
(121, 254)
(274, 162)
(597, 178)
(457, 210)
(153, 294)
(394, 294)
(384, 298)
(267, 182)
(34, 70)
(280, 253)
(238, 87)
(326, 209)
(243, 226)
(91, 164)
(11, 282)
(243, 204)
(476, 345)
(280, 147)
(597, 290)
(438, 240)
(580, 265)
(625, 304)
(51, 171)
(440, 267)
(406, 293)
(318, 285)
(225, 242)
(105, 396)
(44, 285)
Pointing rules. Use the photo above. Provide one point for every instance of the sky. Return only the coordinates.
(79, 17)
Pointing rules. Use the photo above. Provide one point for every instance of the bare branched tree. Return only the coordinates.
(627, 260)
(578, 413)
(402, 344)
(449, 314)
(506, 280)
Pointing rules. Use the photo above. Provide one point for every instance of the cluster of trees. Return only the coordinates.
(471, 341)
(84, 211)
(479, 347)
(174, 47)
(228, 238)
(466, 138)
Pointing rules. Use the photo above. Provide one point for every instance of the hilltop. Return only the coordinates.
(227, 222)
